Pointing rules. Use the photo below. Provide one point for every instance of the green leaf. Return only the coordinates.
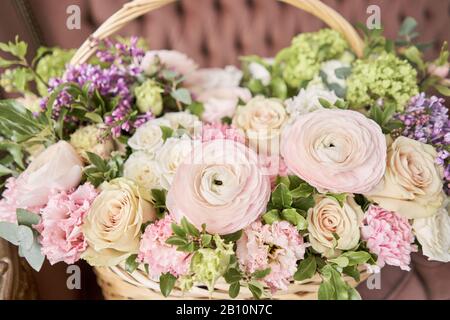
(27, 218)
(343, 72)
(281, 197)
(131, 263)
(182, 95)
(188, 247)
(445, 91)
(232, 237)
(159, 196)
(259, 274)
(256, 289)
(341, 261)
(291, 216)
(166, 283)
(306, 269)
(177, 230)
(294, 182)
(352, 272)
(304, 190)
(232, 275)
(176, 241)
(325, 103)
(304, 203)
(357, 257)
(339, 197)
(279, 88)
(189, 228)
(196, 108)
(25, 237)
(166, 132)
(94, 117)
(8, 231)
(206, 239)
(284, 180)
(326, 291)
(271, 216)
(97, 161)
(234, 289)
(34, 255)
(408, 26)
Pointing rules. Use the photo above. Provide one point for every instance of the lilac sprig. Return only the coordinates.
(426, 120)
(112, 79)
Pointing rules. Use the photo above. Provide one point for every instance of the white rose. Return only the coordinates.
(222, 102)
(259, 72)
(204, 80)
(329, 71)
(148, 137)
(433, 234)
(262, 119)
(141, 167)
(172, 60)
(412, 184)
(170, 156)
(308, 101)
(327, 219)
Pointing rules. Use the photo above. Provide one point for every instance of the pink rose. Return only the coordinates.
(61, 236)
(160, 256)
(336, 150)
(221, 185)
(389, 236)
(57, 168)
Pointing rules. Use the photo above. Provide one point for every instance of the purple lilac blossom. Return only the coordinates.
(426, 120)
(113, 81)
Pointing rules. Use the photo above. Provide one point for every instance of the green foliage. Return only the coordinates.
(306, 269)
(101, 170)
(333, 286)
(131, 263)
(166, 283)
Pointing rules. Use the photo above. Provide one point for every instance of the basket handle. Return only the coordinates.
(137, 8)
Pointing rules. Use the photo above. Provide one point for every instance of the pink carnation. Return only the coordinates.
(389, 236)
(161, 257)
(10, 201)
(217, 131)
(61, 235)
(278, 246)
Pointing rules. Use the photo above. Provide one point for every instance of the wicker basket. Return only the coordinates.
(117, 283)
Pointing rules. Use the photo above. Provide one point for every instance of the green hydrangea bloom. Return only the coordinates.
(300, 63)
(149, 98)
(52, 66)
(385, 77)
(208, 264)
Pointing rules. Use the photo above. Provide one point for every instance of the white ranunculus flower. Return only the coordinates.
(308, 101)
(433, 234)
(204, 80)
(149, 137)
(142, 168)
(327, 219)
(259, 72)
(170, 156)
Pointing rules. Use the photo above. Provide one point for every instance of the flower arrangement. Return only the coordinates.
(314, 162)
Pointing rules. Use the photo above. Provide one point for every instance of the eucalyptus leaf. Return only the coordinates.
(27, 218)
(25, 237)
(34, 255)
(182, 95)
(8, 231)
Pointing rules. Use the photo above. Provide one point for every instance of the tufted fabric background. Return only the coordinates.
(216, 32)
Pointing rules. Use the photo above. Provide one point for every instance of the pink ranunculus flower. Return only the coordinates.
(58, 167)
(277, 246)
(160, 256)
(221, 185)
(336, 150)
(61, 236)
(389, 236)
(219, 131)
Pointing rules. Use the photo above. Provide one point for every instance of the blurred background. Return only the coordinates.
(216, 33)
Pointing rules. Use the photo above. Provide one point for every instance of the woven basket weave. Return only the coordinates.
(116, 283)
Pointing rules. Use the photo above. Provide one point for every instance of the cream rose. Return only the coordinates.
(221, 185)
(170, 156)
(112, 227)
(262, 119)
(142, 168)
(412, 184)
(172, 60)
(336, 150)
(433, 234)
(58, 167)
(149, 137)
(327, 219)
